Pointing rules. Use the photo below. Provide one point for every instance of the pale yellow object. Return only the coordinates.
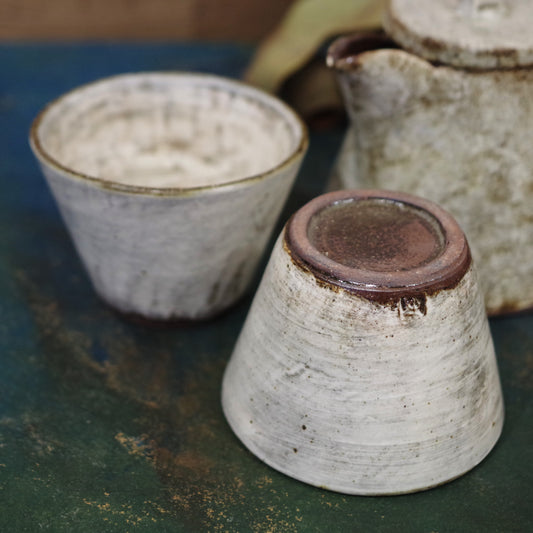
(306, 26)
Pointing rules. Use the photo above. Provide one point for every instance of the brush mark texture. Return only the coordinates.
(359, 395)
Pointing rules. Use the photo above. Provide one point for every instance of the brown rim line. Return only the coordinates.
(47, 159)
(444, 270)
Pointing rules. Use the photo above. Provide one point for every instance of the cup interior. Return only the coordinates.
(168, 130)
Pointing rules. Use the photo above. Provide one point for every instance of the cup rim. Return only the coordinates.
(443, 272)
(45, 157)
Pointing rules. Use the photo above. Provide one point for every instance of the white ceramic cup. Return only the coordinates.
(366, 364)
(170, 185)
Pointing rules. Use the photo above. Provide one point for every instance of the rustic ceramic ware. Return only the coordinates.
(366, 364)
(170, 184)
(448, 117)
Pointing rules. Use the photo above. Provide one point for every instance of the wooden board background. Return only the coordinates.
(216, 20)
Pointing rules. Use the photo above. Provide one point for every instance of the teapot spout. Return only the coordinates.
(378, 79)
(371, 72)
(389, 94)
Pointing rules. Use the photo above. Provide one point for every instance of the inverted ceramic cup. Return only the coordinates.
(170, 185)
(366, 365)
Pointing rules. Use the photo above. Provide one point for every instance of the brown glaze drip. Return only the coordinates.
(385, 246)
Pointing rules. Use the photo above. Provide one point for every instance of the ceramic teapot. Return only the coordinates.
(441, 106)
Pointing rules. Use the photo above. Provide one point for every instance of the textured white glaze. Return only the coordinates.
(173, 253)
(458, 138)
(480, 34)
(361, 397)
(163, 131)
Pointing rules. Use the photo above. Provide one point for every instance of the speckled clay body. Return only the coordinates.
(456, 132)
(170, 185)
(355, 373)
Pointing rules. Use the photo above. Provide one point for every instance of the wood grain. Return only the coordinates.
(235, 20)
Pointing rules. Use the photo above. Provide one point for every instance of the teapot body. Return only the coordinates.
(458, 137)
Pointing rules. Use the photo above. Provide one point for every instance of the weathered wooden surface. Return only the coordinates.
(110, 426)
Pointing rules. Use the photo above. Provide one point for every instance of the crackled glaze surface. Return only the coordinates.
(360, 396)
(458, 138)
(185, 252)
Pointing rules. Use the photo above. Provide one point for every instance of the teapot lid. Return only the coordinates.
(478, 34)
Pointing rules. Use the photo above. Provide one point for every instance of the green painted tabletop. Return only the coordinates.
(106, 425)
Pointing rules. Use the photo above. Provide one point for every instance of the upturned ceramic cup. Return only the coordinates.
(366, 364)
(170, 185)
